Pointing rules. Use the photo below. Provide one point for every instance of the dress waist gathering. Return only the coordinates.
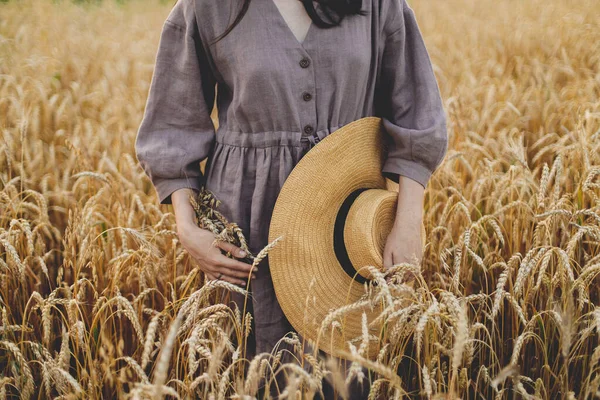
(226, 136)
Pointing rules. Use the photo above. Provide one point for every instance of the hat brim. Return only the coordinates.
(309, 280)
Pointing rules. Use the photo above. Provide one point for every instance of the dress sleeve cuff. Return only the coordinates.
(393, 167)
(166, 187)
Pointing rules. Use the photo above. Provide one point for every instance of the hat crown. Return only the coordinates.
(368, 223)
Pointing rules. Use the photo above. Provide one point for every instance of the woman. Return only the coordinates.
(279, 92)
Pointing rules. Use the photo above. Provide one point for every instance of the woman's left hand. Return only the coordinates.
(404, 243)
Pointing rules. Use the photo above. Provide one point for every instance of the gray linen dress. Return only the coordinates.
(276, 98)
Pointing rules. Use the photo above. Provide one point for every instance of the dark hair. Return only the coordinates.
(341, 8)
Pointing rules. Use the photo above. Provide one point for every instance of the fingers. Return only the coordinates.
(232, 263)
(223, 276)
(235, 273)
(234, 270)
(218, 266)
(226, 262)
(387, 259)
(210, 276)
(233, 280)
(233, 249)
(230, 270)
(220, 259)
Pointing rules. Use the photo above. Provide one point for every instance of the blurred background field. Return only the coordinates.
(93, 278)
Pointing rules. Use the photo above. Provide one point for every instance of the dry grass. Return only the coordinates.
(99, 300)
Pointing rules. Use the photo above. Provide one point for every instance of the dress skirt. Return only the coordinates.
(246, 173)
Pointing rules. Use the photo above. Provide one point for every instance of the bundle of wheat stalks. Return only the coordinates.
(98, 299)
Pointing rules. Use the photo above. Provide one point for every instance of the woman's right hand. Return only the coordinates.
(201, 245)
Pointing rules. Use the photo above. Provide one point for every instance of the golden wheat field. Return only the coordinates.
(98, 298)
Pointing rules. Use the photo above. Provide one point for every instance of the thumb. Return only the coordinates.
(233, 249)
(387, 258)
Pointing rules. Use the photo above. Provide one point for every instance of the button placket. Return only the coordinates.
(308, 111)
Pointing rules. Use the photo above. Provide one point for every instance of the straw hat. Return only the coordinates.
(333, 214)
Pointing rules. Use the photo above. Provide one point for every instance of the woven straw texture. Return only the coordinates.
(308, 278)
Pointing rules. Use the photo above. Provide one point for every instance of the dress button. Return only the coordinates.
(304, 63)
(306, 96)
(308, 129)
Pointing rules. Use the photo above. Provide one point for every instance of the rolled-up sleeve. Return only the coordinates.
(176, 131)
(408, 101)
